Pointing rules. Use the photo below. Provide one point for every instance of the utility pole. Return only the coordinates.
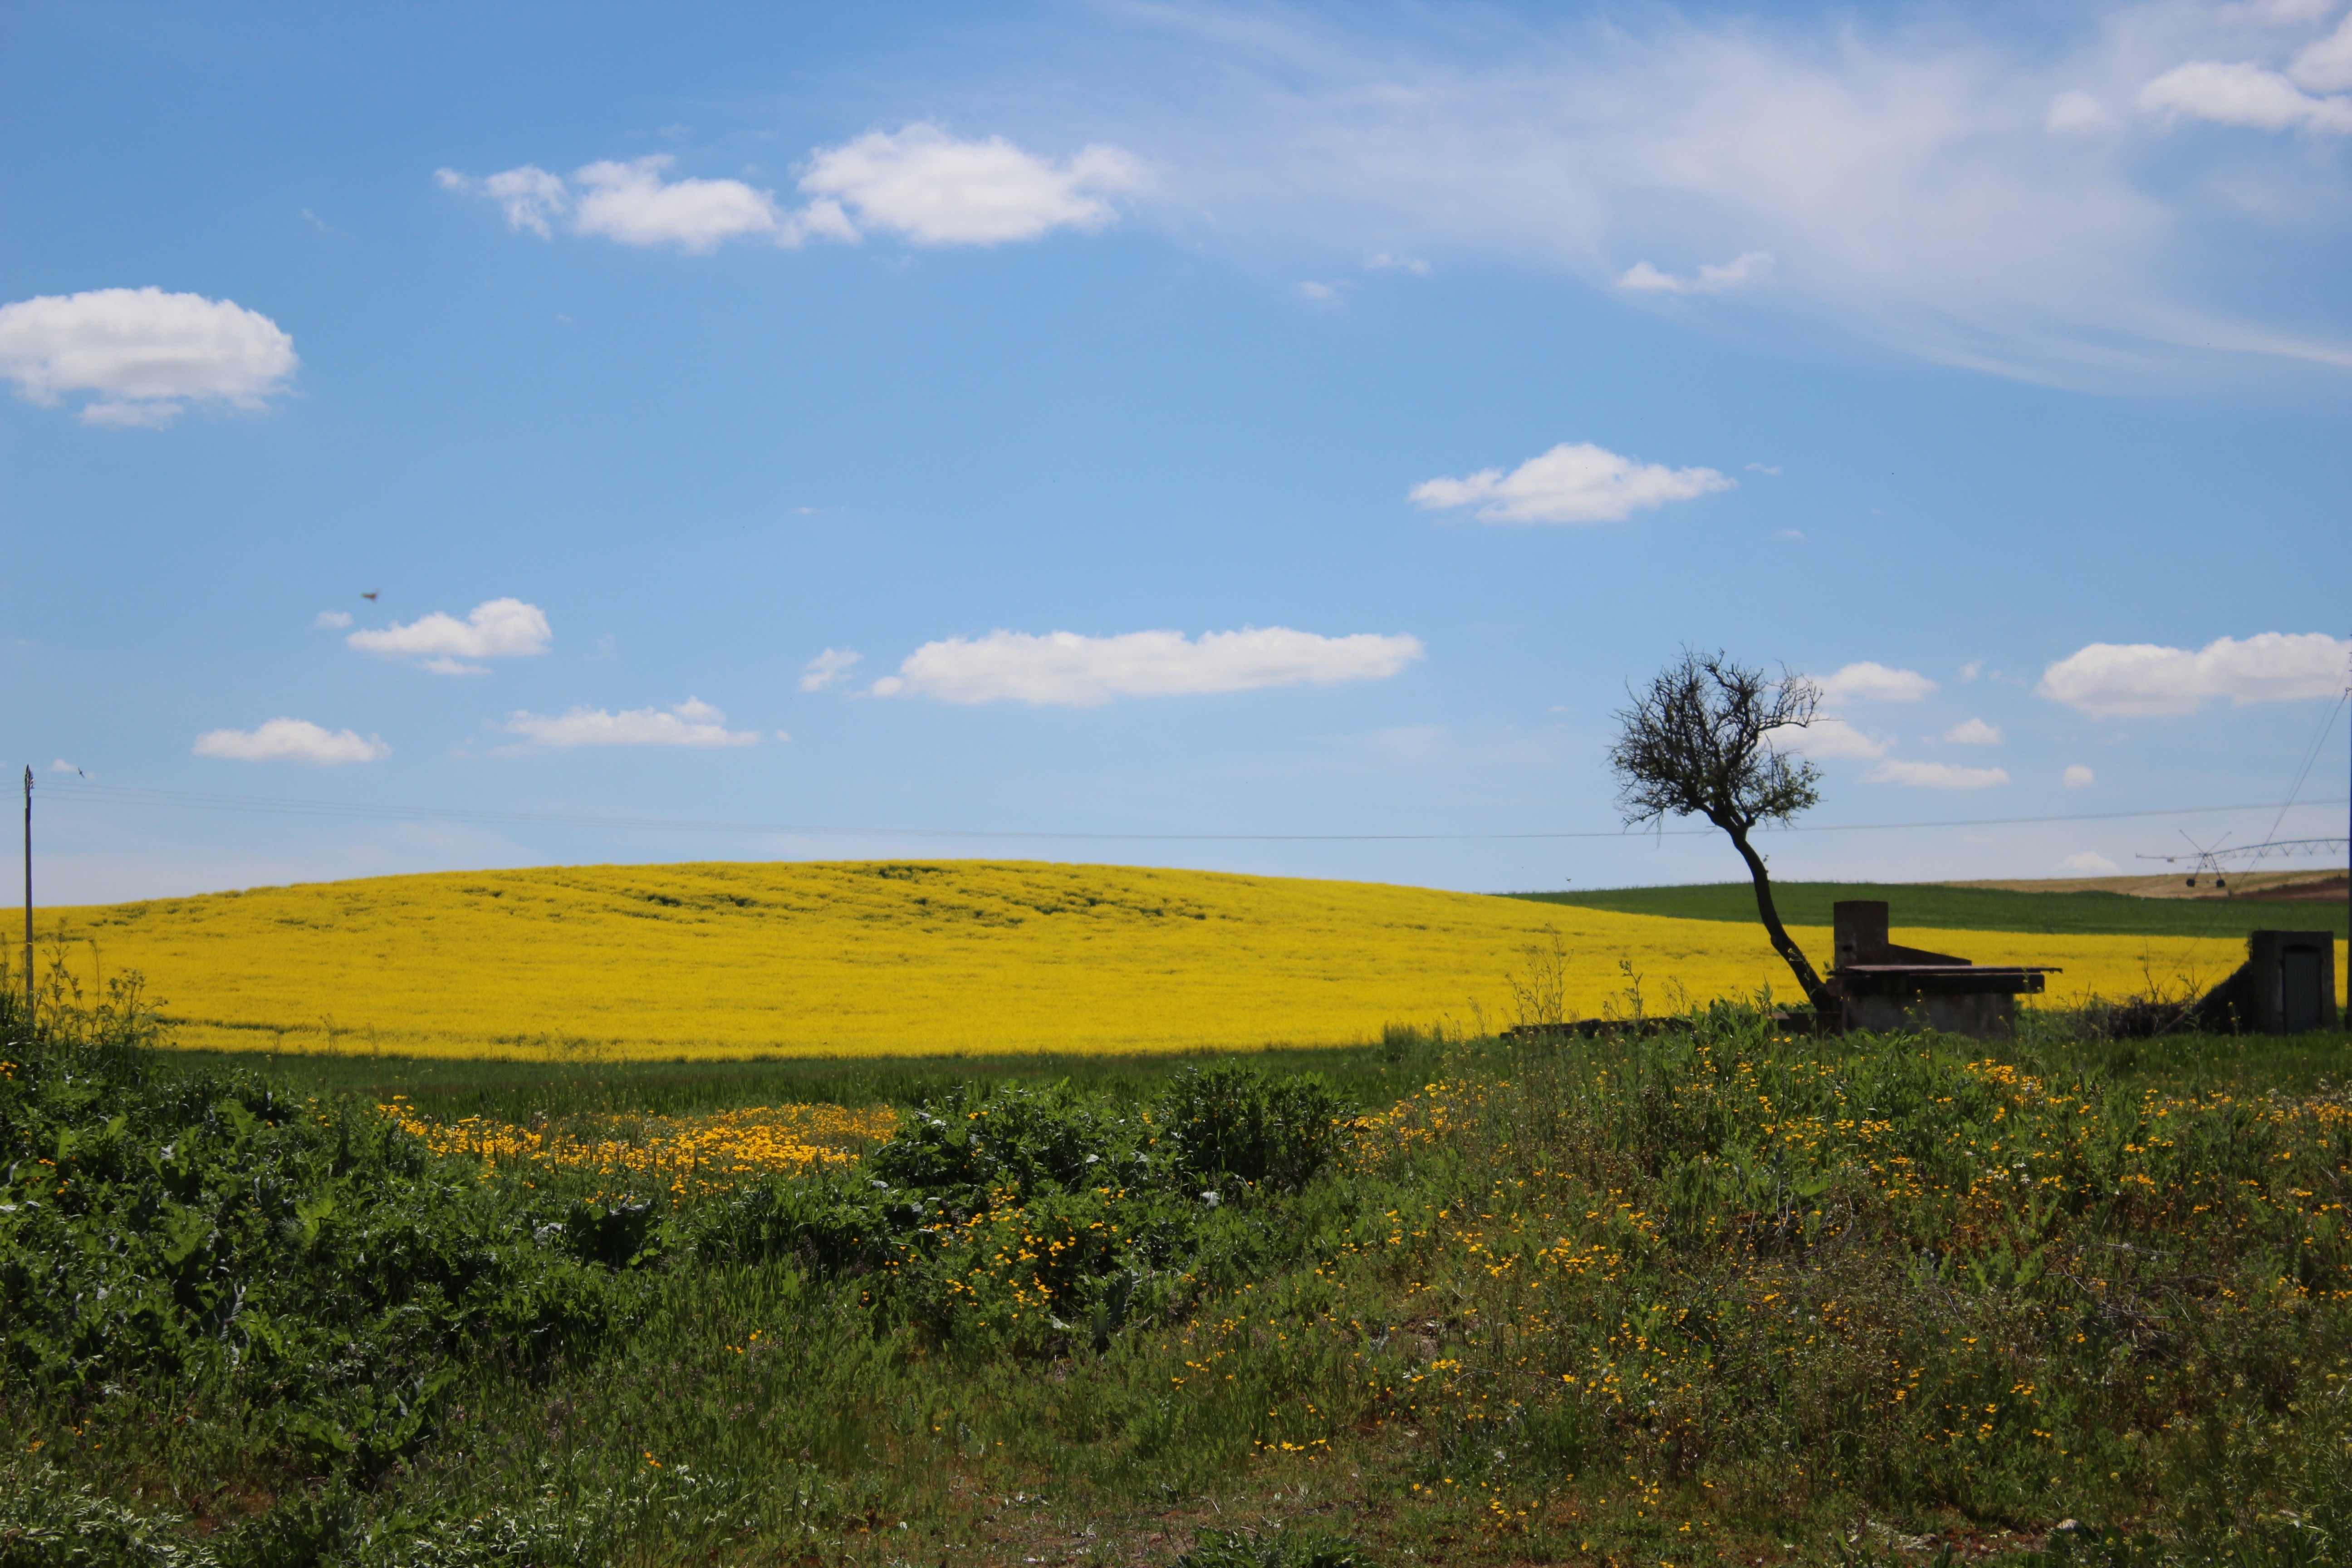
(29, 903)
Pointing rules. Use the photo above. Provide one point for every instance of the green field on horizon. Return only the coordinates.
(1931, 906)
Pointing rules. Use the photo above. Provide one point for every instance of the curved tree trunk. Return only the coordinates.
(1782, 942)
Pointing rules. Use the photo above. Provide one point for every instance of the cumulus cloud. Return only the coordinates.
(633, 204)
(441, 643)
(2077, 777)
(1720, 277)
(919, 183)
(331, 621)
(1067, 669)
(2136, 680)
(827, 667)
(2088, 863)
(1570, 483)
(291, 741)
(1870, 681)
(142, 355)
(692, 722)
(1829, 738)
(1973, 732)
(1934, 775)
(2240, 93)
(935, 189)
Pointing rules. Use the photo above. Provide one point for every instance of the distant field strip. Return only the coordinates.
(731, 960)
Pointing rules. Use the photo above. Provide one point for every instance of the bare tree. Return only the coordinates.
(1700, 742)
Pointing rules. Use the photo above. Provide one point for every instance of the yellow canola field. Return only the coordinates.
(729, 959)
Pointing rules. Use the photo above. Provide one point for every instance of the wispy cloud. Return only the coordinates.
(692, 722)
(1973, 732)
(2077, 777)
(1577, 483)
(2240, 93)
(828, 668)
(1748, 268)
(1934, 775)
(1065, 670)
(1870, 681)
(1902, 178)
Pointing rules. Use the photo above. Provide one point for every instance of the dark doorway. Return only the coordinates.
(2299, 977)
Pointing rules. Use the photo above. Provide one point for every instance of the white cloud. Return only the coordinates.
(2111, 679)
(1830, 737)
(927, 185)
(2325, 64)
(633, 204)
(331, 621)
(692, 722)
(2077, 110)
(785, 735)
(142, 355)
(1384, 261)
(1577, 483)
(1764, 469)
(827, 667)
(1973, 732)
(919, 183)
(2239, 93)
(291, 741)
(441, 643)
(1070, 670)
(1789, 534)
(1870, 681)
(530, 196)
(1970, 671)
(1934, 775)
(1904, 177)
(1320, 293)
(2077, 777)
(1720, 277)
(2088, 863)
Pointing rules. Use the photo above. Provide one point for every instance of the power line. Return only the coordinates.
(111, 795)
(2327, 726)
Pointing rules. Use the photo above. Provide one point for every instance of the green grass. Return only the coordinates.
(1924, 906)
(1716, 1295)
(450, 1088)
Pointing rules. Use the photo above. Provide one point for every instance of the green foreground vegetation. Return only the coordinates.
(1927, 905)
(1710, 1294)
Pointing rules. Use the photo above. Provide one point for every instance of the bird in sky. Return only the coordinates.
(369, 596)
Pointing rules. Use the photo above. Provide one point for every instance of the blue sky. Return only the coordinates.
(1296, 425)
